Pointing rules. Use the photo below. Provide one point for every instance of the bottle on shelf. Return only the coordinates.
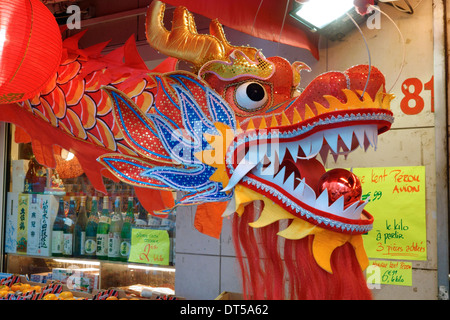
(90, 245)
(114, 237)
(69, 225)
(58, 231)
(103, 230)
(125, 234)
(79, 235)
(142, 219)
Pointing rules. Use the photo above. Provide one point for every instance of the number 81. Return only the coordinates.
(417, 86)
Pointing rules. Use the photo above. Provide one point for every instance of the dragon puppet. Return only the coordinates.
(236, 136)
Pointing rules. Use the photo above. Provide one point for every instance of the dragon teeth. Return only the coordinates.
(320, 142)
(313, 145)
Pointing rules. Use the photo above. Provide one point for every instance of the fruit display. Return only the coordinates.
(19, 288)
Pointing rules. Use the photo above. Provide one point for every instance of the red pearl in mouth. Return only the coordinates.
(340, 182)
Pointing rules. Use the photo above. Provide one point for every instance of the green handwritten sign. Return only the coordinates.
(389, 272)
(150, 246)
(397, 203)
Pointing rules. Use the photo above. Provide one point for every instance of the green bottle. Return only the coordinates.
(79, 235)
(69, 225)
(114, 238)
(128, 222)
(90, 246)
(58, 231)
(103, 231)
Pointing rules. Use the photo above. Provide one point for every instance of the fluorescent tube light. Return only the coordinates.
(151, 268)
(77, 261)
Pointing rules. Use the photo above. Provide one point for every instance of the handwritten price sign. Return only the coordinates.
(389, 272)
(397, 203)
(150, 246)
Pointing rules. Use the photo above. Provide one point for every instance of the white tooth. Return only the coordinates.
(244, 167)
(309, 196)
(375, 138)
(231, 207)
(298, 192)
(350, 210)
(359, 133)
(289, 184)
(322, 201)
(270, 170)
(265, 160)
(331, 136)
(281, 152)
(305, 144)
(369, 135)
(316, 145)
(312, 145)
(279, 178)
(337, 207)
(346, 135)
(357, 213)
(273, 166)
(293, 149)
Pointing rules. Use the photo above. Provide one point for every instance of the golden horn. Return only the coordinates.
(183, 41)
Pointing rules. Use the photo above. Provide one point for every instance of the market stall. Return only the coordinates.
(167, 154)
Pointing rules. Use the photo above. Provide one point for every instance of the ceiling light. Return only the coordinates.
(327, 17)
(319, 13)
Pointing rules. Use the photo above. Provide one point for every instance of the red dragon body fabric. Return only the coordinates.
(236, 136)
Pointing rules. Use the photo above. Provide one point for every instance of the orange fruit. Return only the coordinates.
(4, 287)
(3, 293)
(65, 294)
(25, 286)
(37, 288)
(16, 286)
(112, 298)
(123, 299)
(50, 296)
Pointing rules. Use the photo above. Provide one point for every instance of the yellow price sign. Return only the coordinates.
(397, 203)
(150, 246)
(389, 272)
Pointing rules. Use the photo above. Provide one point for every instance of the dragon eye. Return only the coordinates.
(251, 96)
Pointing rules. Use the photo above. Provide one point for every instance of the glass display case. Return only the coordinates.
(130, 277)
(26, 229)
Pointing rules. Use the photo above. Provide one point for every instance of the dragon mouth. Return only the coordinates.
(283, 164)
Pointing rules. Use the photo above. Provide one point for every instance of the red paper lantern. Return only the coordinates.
(30, 48)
